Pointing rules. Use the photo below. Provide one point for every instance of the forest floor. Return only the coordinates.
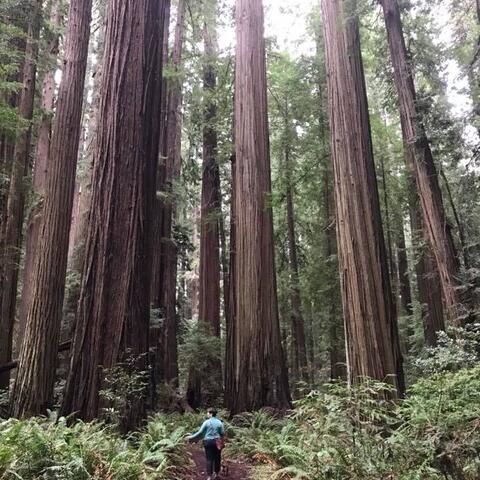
(232, 469)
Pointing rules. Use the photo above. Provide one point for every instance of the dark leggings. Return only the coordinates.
(214, 456)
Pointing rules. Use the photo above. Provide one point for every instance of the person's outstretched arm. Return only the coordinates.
(200, 434)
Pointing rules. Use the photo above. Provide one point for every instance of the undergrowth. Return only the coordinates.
(336, 434)
(353, 435)
(44, 449)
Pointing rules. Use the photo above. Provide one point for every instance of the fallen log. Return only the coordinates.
(63, 347)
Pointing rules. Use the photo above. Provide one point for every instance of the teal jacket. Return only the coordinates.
(211, 429)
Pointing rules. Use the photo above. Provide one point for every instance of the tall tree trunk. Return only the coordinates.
(159, 236)
(40, 167)
(260, 374)
(17, 44)
(113, 316)
(17, 192)
(209, 278)
(336, 347)
(33, 393)
(388, 228)
(298, 327)
(428, 281)
(172, 173)
(230, 306)
(419, 159)
(373, 348)
(404, 277)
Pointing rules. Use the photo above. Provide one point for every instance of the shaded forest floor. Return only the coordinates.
(233, 469)
(338, 432)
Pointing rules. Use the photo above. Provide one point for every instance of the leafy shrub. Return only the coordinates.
(457, 348)
(354, 434)
(42, 449)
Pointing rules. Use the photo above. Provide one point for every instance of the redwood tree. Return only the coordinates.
(419, 159)
(259, 369)
(42, 150)
(17, 191)
(33, 392)
(209, 277)
(171, 172)
(370, 321)
(113, 315)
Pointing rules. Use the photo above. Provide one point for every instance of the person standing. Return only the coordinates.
(212, 433)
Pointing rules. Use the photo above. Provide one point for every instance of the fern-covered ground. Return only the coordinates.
(335, 434)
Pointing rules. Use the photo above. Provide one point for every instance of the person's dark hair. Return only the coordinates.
(212, 411)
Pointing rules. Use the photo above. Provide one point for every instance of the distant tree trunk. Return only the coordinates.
(388, 228)
(428, 281)
(159, 235)
(17, 192)
(33, 392)
(113, 316)
(229, 375)
(373, 348)
(83, 195)
(336, 345)
(456, 216)
(260, 374)
(172, 172)
(40, 168)
(419, 159)
(209, 278)
(298, 326)
(404, 277)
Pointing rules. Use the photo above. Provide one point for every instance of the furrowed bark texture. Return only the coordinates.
(260, 375)
(42, 151)
(33, 393)
(336, 345)
(229, 375)
(370, 322)
(158, 234)
(17, 192)
(113, 315)
(419, 159)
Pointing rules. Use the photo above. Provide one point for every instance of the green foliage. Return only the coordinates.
(353, 434)
(123, 385)
(200, 356)
(456, 349)
(42, 449)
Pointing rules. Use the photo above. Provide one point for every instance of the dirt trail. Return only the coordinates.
(236, 470)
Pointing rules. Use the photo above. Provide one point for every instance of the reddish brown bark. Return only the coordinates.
(260, 376)
(158, 234)
(370, 322)
(42, 150)
(419, 159)
(17, 192)
(33, 392)
(230, 299)
(113, 315)
(336, 345)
